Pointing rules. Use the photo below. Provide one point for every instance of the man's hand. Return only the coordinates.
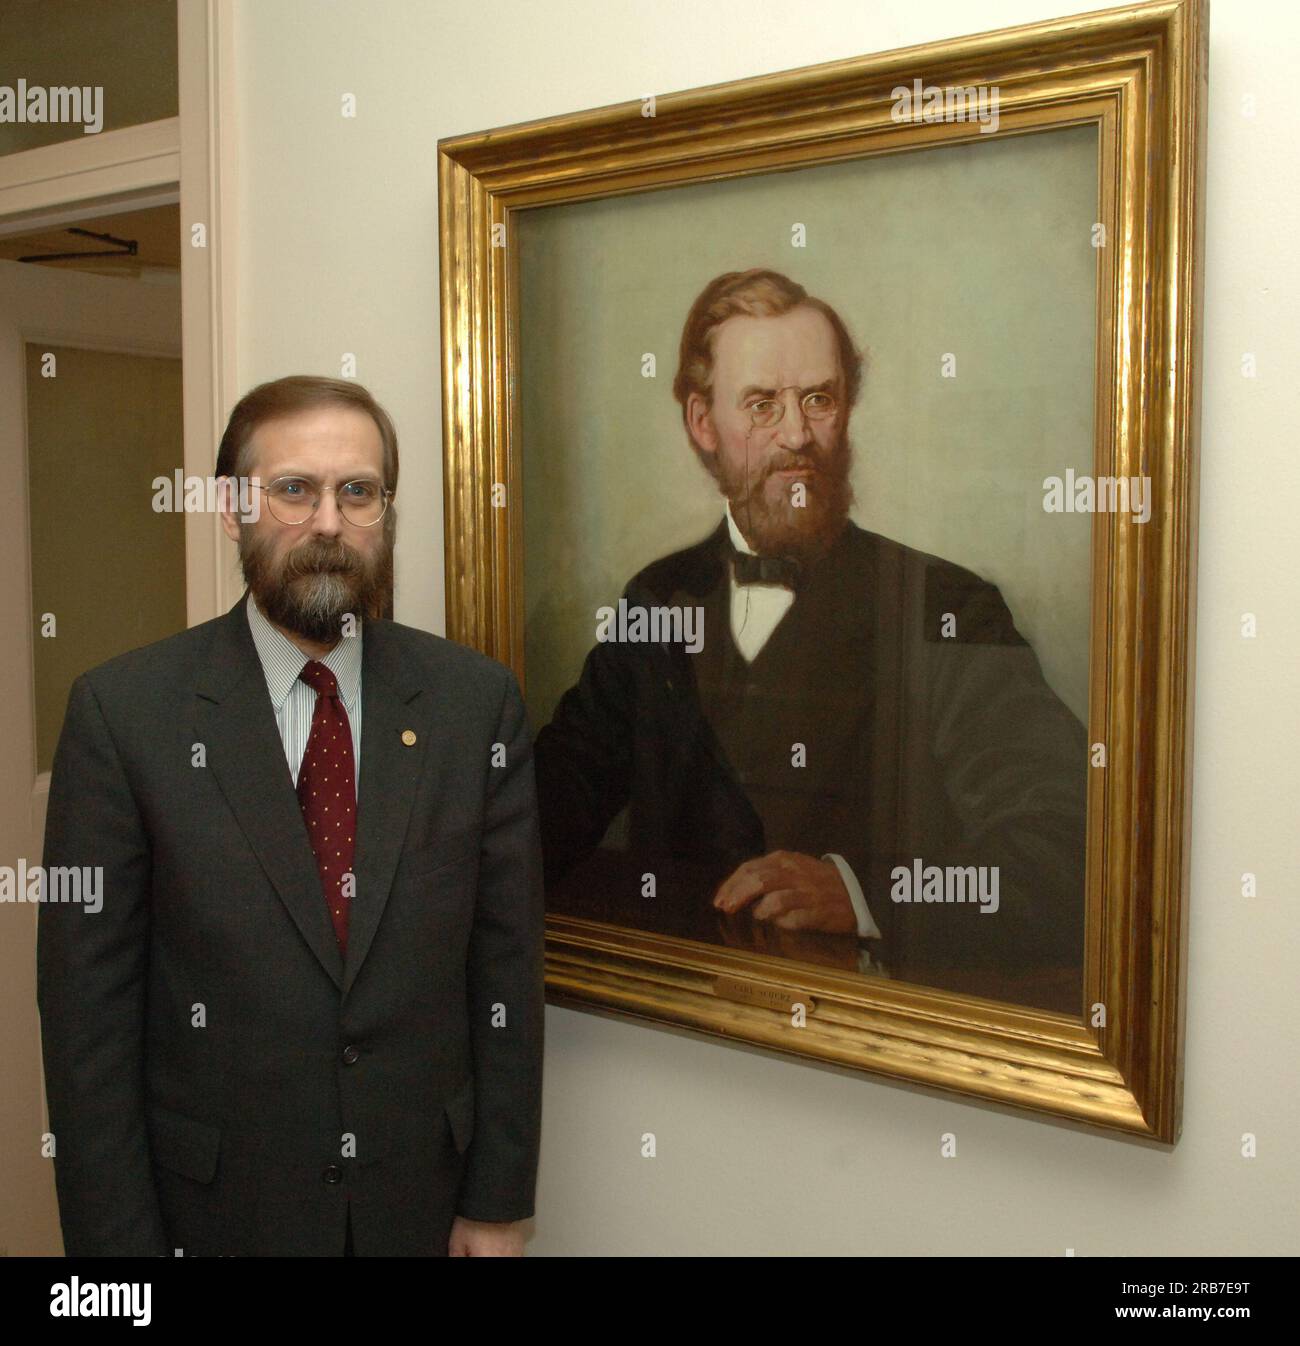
(793, 891)
(479, 1238)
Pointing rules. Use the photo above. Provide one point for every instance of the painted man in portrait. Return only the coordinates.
(809, 739)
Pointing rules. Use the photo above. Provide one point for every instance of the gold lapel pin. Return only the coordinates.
(408, 737)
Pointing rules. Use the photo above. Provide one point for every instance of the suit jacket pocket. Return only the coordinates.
(460, 1113)
(183, 1145)
(447, 851)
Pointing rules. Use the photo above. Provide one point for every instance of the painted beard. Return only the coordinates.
(770, 520)
(317, 584)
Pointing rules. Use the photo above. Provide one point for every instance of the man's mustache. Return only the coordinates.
(785, 461)
(801, 464)
(322, 559)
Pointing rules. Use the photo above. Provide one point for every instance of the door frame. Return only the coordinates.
(190, 159)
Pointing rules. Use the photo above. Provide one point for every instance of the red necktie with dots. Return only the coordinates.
(327, 793)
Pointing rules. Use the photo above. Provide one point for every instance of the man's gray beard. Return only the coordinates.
(301, 596)
(805, 532)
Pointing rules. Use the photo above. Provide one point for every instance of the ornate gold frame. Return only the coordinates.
(1139, 73)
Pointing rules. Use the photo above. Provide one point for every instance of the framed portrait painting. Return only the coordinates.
(821, 454)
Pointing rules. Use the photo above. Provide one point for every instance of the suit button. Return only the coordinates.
(333, 1174)
(350, 1056)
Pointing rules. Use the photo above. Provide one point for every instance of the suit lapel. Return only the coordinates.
(704, 582)
(235, 721)
(394, 706)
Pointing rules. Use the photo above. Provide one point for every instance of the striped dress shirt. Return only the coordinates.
(294, 702)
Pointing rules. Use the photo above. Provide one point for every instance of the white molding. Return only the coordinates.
(70, 339)
(208, 173)
(59, 217)
(111, 171)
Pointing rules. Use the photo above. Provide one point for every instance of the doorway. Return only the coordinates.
(96, 405)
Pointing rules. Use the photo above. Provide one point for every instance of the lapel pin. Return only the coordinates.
(408, 737)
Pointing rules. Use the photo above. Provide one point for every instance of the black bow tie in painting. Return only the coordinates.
(750, 569)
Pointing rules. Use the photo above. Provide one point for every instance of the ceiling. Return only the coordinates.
(156, 233)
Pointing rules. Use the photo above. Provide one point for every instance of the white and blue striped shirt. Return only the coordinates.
(294, 702)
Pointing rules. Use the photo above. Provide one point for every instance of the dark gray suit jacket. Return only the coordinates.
(220, 1079)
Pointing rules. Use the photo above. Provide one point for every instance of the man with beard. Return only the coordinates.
(307, 1019)
(860, 713)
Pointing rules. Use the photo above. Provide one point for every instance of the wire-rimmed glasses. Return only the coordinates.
(293, 500)
(767, 411)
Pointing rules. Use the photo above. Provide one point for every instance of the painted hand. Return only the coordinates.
(792, 891)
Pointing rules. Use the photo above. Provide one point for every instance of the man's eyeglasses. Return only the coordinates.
(294, 500)
(818, 405)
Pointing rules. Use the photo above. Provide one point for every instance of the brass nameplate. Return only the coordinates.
(783, 998)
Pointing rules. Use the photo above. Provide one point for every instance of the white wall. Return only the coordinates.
(338, 252)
